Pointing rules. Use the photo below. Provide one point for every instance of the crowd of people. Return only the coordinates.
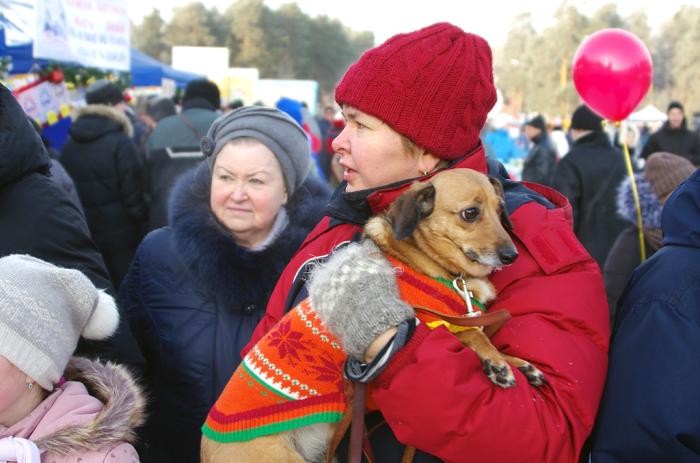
(133, 282)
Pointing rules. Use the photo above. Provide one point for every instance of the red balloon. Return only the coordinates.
(612, 72)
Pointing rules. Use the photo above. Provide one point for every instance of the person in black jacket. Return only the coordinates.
(674, 137)
(540, 162)
(38, 218)
(102, 159)
(198, 287)
(588, 176)
(649, 410)
(173, 146)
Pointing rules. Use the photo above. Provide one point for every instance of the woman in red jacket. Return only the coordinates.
(415, 105)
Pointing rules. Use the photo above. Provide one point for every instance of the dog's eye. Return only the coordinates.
(470, 214)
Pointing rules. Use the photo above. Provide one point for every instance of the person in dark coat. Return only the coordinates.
(38, 218)
(663, 172)
(650, 407)
(588, 176)
(173, 146)
(540, 162)
(674, 137)
(102, 159)
(198, 287)
(58, 173)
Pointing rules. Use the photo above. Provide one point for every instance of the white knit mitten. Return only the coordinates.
(356, 296)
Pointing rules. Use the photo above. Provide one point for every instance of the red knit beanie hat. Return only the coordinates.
(434, 86)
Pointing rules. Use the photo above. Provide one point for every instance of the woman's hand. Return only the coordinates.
(356, 296)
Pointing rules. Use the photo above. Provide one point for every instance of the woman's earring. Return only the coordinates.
(425, 172)
(30, 386)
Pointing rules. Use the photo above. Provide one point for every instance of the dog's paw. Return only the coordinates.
(482, 289)
(499, 373)
(534, 376)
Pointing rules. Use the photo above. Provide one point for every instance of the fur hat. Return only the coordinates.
(585, 119)
(665, 171)
(434, 86)
(103, 91)
(274, 129)
(44, 309)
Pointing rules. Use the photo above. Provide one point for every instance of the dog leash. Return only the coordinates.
(361, 374)
(491, 321)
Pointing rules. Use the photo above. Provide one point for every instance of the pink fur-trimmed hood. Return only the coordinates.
(93, 414)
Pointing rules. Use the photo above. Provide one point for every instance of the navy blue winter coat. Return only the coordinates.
(651, 409)
(193, 298)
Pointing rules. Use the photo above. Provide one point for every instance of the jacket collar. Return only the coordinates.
(199, 103)
(596, 137)
(358, 206)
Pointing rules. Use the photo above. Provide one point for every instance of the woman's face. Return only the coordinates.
(13, 386)
(372, 153)
(247, 190)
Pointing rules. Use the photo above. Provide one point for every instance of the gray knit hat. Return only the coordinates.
(44, 309)
(274, 129)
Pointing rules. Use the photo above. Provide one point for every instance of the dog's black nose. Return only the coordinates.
(507, 255)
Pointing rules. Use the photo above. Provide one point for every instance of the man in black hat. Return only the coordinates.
(173, 146)
(542, 159)
(674, 137)
(589, 176)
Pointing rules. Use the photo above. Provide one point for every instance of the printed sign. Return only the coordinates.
(89, 32)
(44, 101)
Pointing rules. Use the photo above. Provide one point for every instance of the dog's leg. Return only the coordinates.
(266, 449)
(534, 376)
(493, 362)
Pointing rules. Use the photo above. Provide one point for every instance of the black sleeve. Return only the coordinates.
(136, 312)
(543, 163)
(129, 173)
(650, 148)
(568, 182)
(47, 225)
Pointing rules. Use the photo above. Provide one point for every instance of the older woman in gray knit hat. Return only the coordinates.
(197, 288)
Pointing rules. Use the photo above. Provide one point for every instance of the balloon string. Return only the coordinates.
(635, 195)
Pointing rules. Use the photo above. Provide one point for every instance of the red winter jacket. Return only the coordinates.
(434, 394)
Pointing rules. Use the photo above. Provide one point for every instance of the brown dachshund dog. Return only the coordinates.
(456, 224)
(453, 225)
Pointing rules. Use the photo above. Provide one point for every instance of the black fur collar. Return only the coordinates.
(225, 271)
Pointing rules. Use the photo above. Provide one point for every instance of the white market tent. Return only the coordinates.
(648, 114)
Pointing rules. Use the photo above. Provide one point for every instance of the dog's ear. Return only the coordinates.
(505, 219)
(409, 208)
(497, 186)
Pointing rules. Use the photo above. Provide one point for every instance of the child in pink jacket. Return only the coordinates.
(54, 409)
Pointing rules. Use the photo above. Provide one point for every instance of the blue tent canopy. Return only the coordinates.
(145, 71)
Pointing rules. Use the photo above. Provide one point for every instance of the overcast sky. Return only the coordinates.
(491, 18)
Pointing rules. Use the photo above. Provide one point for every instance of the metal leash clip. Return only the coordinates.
(466, 294)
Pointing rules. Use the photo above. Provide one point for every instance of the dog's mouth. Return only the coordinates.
(473, 256)
(487, 260)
